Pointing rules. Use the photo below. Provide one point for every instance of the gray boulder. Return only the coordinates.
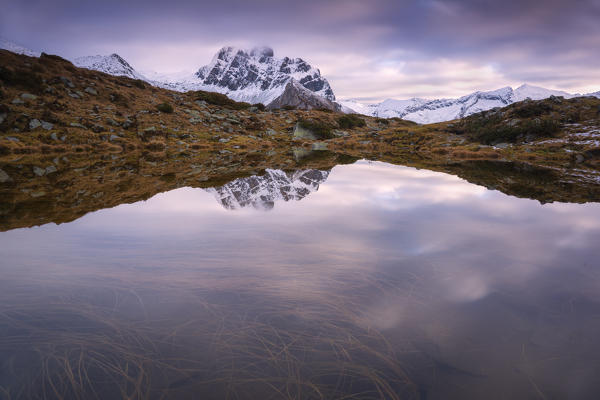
(303, 133)
(34, 124)
(28, 96)
(4, 177)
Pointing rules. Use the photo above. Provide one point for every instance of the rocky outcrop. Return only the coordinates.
(297, 96)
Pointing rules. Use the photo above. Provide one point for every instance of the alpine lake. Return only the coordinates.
(325, 277)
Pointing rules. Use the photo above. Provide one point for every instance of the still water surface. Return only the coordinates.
(386, 282)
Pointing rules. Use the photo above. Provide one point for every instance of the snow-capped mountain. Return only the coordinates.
(256, 76)
(253, 76)
(431, 111)
(112, 64)
(261, 192)
(16, 48)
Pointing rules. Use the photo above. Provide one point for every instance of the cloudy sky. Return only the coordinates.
(368, 50)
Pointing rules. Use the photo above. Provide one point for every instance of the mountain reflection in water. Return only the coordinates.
(261, 192)
(388, 282)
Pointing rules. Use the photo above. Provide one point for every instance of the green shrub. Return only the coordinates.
(494, 130)
(21, 78)
(119, 99)
(139, 84)
(165, 108)
(323, 109)
(219, 99)
(288, 107)
(382, 121)
(349, 121)
(260, 106)
(320, 129)
(51, 57)
(527, 109)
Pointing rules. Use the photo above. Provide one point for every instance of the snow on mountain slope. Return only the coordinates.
(431, 111)
(595, 94)
(538, 93)
(387, 109)
(253, 76)
(262, 192)
(112, 64)
(15, 48)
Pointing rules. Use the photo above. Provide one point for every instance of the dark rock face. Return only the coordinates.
(242, 74)
(296, 95)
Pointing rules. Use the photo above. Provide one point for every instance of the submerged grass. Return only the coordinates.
(210, 342)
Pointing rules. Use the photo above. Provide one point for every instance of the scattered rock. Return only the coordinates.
(112, 138)
(34, 124)
(4, 177)
(2, 118)
(112, 122)
(98, 128)
(340, 133)
(303, 133)
(50, 169)
(53, 136)
(319, 146)
(74, 95)
(579, 158)
(28, 96)
(67, 82)
(17, 101)
(90, 90)
(555, 99)
(39, 171)
(502, 145)
(77, 125)
(12, 139)
(47, 125)
(127, 124)
(223, 140)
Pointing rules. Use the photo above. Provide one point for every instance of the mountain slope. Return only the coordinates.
(112, 64)
(18, 49)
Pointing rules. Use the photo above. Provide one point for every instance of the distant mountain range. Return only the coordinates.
(257, 76)
(438, 110)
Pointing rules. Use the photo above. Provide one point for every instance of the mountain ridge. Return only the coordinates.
(256, 76)
(440, 110)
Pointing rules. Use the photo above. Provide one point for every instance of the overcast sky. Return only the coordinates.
(368, 50)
